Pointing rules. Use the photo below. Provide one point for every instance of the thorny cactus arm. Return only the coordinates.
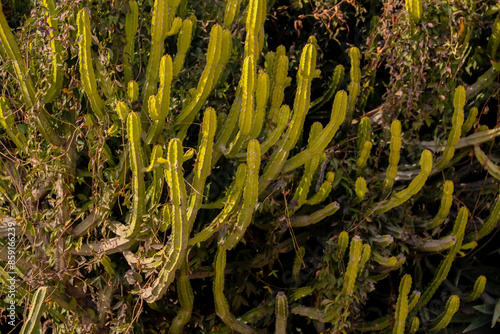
(444, 318)
(232, 8)
(174, 252)
(186, 300)
(56, 78)
(337, 78)
(203, 164)
(355, 85)
(445, 266)
(490, 223)
(250, 195)
(134, 142)
(414, 9)
(131, 25)
(363, 156)
(221, 305)
(281, 312)
(445, 206)
(413, 188)
(8, 123)
(32, 324)
(478, 289)
(394, 155)
(86, 68)
(360, 188)
(279, 81)
(456, 130)
(315, 217)
(183, 44)
(352, 267)
(402, 305)
(323, 191)
(469, 122)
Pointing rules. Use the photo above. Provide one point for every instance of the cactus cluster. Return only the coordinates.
(153, 168)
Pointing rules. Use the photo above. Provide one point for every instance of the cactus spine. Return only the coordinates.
(281, 313)
(86, 69)
(402, 305)
(444, 318)
(131, 25)
(413, 188)
(394, 155)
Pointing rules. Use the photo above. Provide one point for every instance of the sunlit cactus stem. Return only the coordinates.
(414, 9)
(86, 68)
(8, 123)
(444, 208)
(360, 188)
(57, 73)
(186, 301)
(231, 10)
(183, 44)
(131, 26)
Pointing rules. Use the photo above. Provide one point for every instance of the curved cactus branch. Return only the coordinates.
(131, 26)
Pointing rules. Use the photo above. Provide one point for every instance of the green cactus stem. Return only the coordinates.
(281, 313)
(175, 251)
(203, 164)
(444, 318)
(279, 81)
(316, 217)
(186, 301)
(364, 132)
(394, 155)
(183, 44)
(325, 137)
(218, 54)
(324, 190)
(385, 261)
(275, 134)
(478, 289)
(469, 122)
(136, 165)
(352, 266)
(343, 243)
(490, 223)
(298, 262)
(445, 266)
(489, 165)
(86, 68)
(159, 107)
(230, 12)
(250, 195)
(363, 156)
(161, 25)
(256, 10)
(414, 9)
(122, 111)
(231, 201)
(494, 41)
(131, 26)
(444, 208)
(8, 123)
(415, 325)
(437, 245)
(57, 70)
(337, 78)
(402, 305)
(355, 85)
(32, 323)
(132, 91)
(221, 304)
(413, 188)
(456, 129)
(360, 188)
